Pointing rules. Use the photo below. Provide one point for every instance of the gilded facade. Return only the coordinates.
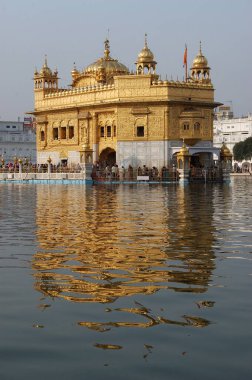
(117, 116)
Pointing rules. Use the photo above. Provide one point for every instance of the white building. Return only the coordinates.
(230, 129)
(17, 139)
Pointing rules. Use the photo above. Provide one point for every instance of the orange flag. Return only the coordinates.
(185, 56)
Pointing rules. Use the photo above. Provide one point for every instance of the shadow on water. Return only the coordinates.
(100, 244)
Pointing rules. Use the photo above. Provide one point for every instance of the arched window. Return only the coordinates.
(196, 127)
(186, 126)
(63, 133)
(140, 131)
(146, 70)
(140, 70)
(55, 133)
(108, 131)
(71, 132)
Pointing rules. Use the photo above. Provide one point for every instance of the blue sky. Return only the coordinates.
(74, 31)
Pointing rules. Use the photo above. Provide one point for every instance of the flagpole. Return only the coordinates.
(185, 63)
(186, 75)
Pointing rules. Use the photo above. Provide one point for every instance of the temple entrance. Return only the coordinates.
(195, 161)
(202, 160)
(107, 157)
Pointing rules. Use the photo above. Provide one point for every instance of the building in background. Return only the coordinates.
(116, 116)
(17, 140)
(231, 130)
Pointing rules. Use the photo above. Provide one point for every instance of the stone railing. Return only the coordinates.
(79, 90)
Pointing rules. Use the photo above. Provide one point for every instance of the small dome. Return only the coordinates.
(200, 61)
(45, 71)
(145, 54)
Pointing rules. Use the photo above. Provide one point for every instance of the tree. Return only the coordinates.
(238, 151)
(248, 148)
(243, 150)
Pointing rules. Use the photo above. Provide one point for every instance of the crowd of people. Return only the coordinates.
(114, 172)
(37, 168)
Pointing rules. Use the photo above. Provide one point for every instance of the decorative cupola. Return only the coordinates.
(145, 60)
(45, 78)
(200, 71)
(225, 154)
(183, 163)
(183, 157)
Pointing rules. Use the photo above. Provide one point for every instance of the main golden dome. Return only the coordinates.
(109, 65)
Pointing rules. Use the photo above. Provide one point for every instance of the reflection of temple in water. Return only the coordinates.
(191, 238)
(98, 244)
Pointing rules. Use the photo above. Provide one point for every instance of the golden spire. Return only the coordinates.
(145, 41)
(45, 64)
(106, 50)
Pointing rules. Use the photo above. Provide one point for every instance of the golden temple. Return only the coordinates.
(115, 116)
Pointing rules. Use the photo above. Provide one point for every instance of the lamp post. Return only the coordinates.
(49, 166)
(15, 163)
(86, 161)
(20, 161)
